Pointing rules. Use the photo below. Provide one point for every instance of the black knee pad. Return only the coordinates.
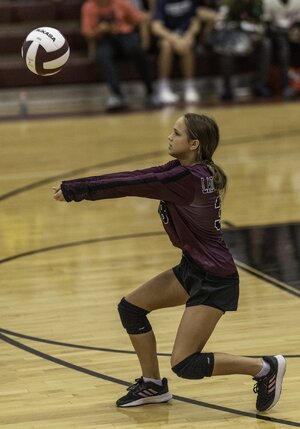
(133, 318)
(196, 366)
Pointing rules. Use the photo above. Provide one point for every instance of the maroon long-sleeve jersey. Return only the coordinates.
(190, 207)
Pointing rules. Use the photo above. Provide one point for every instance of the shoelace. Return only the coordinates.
(137, 382)
(260, 387)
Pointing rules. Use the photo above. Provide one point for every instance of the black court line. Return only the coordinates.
(261, 225)
(101, 349)
(78, 171)
(271, 280)
(80, 243)
(242, 266)
(125, 383)
(233, 140)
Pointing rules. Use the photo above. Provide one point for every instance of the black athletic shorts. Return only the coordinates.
(205, 288)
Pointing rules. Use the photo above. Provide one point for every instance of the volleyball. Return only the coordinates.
(45, 51)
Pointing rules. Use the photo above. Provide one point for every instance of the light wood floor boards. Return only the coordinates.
(65, 267)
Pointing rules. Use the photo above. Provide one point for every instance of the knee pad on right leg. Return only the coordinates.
(196, 366)
(133, 318)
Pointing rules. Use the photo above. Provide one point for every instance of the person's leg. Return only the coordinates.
(165, 62)
(284, 58)
(162, 291)
(227, 71)
(105, 53)
(187, 361)
(197, 325)
(265, 50)
(131, 47)
(187, 61)
(165, 59)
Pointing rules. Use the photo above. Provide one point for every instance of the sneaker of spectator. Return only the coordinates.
(227, 95)
(115, 102)
(167, 96)
(191, 95)
(261, 90)
(289, 93)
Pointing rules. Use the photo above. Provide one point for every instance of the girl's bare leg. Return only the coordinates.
(162, 291)
(197, 325)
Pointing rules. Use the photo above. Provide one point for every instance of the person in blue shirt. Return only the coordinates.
(175, 24)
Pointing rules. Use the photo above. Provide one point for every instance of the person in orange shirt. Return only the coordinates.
(111, 25)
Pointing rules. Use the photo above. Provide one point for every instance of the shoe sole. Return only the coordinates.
(280, 374)
(150, 400)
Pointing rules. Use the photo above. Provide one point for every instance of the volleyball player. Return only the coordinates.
(205, 280)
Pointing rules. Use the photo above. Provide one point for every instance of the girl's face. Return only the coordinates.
(179, 145)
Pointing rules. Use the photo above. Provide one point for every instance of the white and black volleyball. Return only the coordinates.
(45, 51)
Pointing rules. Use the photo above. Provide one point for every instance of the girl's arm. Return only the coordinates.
(174, 185)
(124, 174)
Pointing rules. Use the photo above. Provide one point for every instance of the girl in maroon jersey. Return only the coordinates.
(205, 281)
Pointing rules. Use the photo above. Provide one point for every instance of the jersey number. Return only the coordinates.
(163, 213)
(218, 207)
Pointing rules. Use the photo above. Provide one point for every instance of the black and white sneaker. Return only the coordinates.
(145, 392)
(268, 388)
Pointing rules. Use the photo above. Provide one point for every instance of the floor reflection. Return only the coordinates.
(273, 250)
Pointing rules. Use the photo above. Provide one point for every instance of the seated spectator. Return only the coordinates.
(111, 25)
(294, 71)
(281, 18)
(175, 24)
(239, 30)
(147, 7)
(208, 13)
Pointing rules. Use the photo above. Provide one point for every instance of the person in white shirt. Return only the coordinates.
(280, 16)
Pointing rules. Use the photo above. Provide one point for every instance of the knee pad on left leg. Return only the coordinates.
(196, 366)
(133, 318)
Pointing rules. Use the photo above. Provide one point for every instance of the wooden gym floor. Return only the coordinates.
(65, 358)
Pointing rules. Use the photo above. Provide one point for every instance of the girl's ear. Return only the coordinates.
(195, 144)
